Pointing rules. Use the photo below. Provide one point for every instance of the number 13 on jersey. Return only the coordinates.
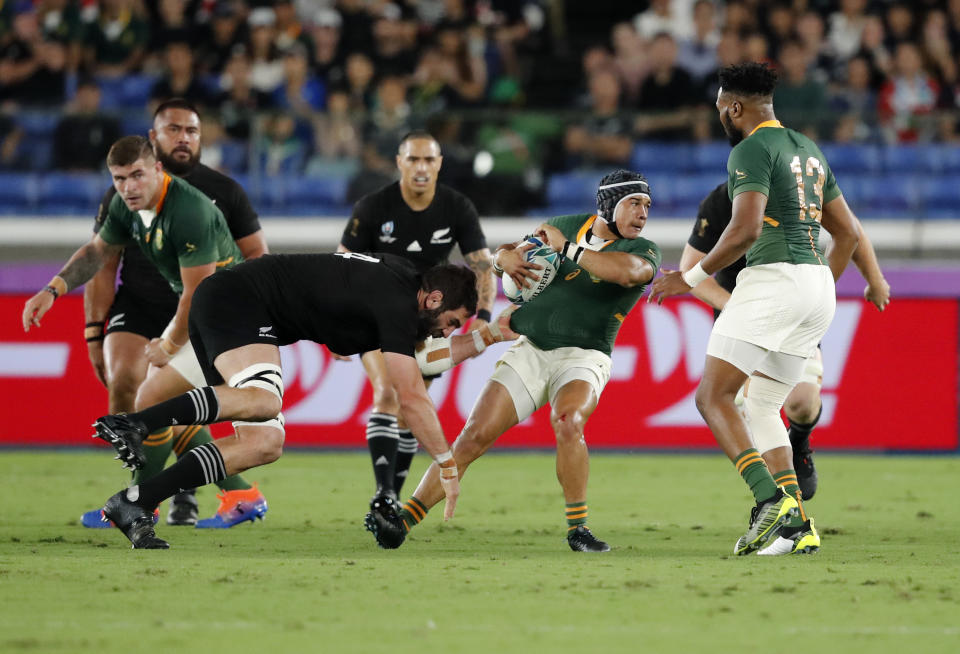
(815, 170)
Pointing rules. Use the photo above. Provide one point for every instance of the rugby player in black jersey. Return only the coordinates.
(353, 303)
(420, 220)
(802, 406)
(122, 322)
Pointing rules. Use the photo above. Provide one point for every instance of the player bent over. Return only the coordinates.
(351, 303)
(563, 356)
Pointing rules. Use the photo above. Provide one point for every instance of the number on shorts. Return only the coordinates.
(814, 167)
(357, 255)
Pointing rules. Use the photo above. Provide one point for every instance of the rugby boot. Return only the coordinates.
(582, 539)
(802, 539)
(126, 436)
(183, 509)
(94, 519)
(767, 518)
(384, 522)
(134, 521)
(236, 506)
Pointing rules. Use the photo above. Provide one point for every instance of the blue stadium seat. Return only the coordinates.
(38, 123)
(711, 157)
(883, 196)
(18, 192)
(667, 157)
(315, 195)
(852, 158)
(236, 157)
(947, 156)
(910, 158)
(574, 188)
(135, 90)
(941, 196)
(75, 193)
(135, 123)
(37, 152)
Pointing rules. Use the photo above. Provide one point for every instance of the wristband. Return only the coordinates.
(94, 339)
(573, 251)
(93, 332)
(56, 287)
(694, 276)
(478, 342)
(443, 458)
(484, 315)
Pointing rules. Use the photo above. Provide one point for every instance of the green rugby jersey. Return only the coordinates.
(791, 171)
(186, 230)
(576, 309)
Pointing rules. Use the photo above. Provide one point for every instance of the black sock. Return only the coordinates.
(800, 433)
(197, 407)
(382, 442)
(405, 450)
(201, 466)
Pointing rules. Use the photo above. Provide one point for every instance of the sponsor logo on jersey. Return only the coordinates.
(441, 236)
(190, 247)
(117, 321)
(740, 174)
(702, 229)
(386, 231)
(414, 247)
(265, 332)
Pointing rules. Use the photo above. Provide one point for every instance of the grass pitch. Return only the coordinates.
(500, 577)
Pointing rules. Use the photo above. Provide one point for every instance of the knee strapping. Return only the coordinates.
(763, 400)
(260, 375)
(276, 423)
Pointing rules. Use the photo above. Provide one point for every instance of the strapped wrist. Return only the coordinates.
(169, 347)
(694, 276)
(573, 251)
(56, 287)
(444, 457)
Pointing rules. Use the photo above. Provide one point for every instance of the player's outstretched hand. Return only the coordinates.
(450, 480)
(515, 264)
(503, 322)
(551, 236)
(155, 353)
(34, 309)
(878, 294)
(668, 284)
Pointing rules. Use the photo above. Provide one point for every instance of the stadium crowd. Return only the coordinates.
(327, 87)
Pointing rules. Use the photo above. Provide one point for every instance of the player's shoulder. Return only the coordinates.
(375, 200)
(570, 221)
(643, 246)
(204, 177)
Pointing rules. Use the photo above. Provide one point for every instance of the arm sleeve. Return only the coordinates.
(243, 220)
(358, 235)
(713, 216)
(195, 239)
(749, 168)
(112, 229)
(470, 236)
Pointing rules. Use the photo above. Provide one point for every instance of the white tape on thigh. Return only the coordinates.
(813, 371)
(434, 356)
(762, 409)
(260, 375)
(276, 423)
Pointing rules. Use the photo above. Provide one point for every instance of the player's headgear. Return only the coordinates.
(614, 189)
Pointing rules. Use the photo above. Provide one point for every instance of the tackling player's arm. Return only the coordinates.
(159, 351)
(437, 355)
(421, 416)
(842, 225)
(864, 258)
(82, 266)
(481, 263)
(708, 291)
(620, 268)
(98, 295)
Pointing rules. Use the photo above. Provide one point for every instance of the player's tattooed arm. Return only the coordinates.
(481, 263)
(86, 261)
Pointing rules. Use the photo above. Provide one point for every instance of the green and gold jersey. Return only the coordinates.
(791, 171)
(185, 230)
(577, 309)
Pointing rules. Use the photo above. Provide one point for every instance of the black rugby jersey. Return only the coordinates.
(140, 276)
(713, 216)
(351, 302)
(383, 222)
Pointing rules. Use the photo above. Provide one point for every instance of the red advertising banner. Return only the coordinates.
(890, 383)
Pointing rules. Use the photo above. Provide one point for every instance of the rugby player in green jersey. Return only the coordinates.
(563, 356)
(782, 191)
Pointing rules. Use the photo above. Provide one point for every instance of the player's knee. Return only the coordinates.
(270, 446)
(147, 395)
(262, 441)
(567, 426)
(803, 405)
(262, 388)
(258, 404)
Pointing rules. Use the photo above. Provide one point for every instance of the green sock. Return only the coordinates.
(754, 471)
(576, 515)
(412, 513)
(156, 447)
(196, 435)
(788, 479)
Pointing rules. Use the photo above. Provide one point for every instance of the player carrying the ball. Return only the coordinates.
(563, 356)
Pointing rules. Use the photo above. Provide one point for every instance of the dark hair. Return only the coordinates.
(458, 285)
(175, 103)
(128, 149)
(417, 134)
(750, 78)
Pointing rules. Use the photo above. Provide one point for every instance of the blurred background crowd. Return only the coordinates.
(518, 92)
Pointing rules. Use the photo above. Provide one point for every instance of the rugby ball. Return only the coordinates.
(540, 254)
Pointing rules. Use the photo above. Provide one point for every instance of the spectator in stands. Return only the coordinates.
(595, 59)
(225, 31)
(46, 86)
(821, 63)
(387, 123)
(283, 151)
(740, 18)
(357, 29)
(799, 100)
(953, 18)
(665, 16)
(846, 28)
(630, 59)
(448, 74)
(780, 25)
(698, 54)
(729, 52)
(935, 45)
(171, 26)
(11, 135)
(395, 42)
(60, 21)
(668, 97)
(336, 139)
(328, 59)
(601, 139)
(266, 66)
(302, 93)
(117, 39)
(908, 98)
(359, 77)
(901, 27)
(855, 102)
(179, 80)
(238, 102)
(84, 135)
(757, 48)
(20, 56)
(873, 48)
(289, 30)
(212, 139)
